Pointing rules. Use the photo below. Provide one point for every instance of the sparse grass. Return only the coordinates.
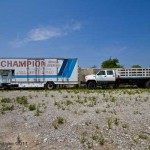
(116, 121)
(66, 96)
(38, 112)
(96, 126)
(22, 100)
(87, 123)
(52, 96)
(89, 145)
(7, 108)
(143, 136)
(113, 99)
(101, 140)
(32, 107)
(68, 102)
(84, 111)
(109, 123)
(5, 100)
(137, 112)
(30, 96)
(80, 101)
(94, 136)
(75, 112)
(104, 110)
(46, 94)
(97, 111)
(125, 125)
(55, 126)
(60, 120)
(83, 139)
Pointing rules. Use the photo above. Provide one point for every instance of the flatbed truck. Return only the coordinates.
(115, 77)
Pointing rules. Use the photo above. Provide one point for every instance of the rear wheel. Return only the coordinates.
(91, 85)
(148, 84)
(50, 85)
(141, 85)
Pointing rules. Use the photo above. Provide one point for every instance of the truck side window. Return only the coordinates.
(101, 73)
(109, 72)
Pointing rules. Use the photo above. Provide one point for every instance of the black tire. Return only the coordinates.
(141, 85)
(148, 84)
(50, 85)
(91, 85)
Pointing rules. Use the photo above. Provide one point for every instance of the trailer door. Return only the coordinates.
(39, 70)
(5, 76)
(35, 71)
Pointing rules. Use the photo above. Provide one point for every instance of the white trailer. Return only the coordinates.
(38, 72)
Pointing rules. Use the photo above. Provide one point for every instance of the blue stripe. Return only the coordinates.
(62, 67)
(71, 68)
(35, 76)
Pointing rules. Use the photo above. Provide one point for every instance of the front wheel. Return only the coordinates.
(91, 85)
(50, 85)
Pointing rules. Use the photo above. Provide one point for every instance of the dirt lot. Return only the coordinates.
(75, 119)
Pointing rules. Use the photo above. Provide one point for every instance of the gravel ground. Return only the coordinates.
(75, 119)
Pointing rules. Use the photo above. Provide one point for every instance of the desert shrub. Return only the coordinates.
(22, 100)
(32, 107)
(5, 100)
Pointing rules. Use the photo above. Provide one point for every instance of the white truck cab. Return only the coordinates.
(103, 77)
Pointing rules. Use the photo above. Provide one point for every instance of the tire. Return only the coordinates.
(140, 85)
(148, 84)
(91, 85)
(50, 85)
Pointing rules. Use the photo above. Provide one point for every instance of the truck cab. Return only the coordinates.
(102, 78)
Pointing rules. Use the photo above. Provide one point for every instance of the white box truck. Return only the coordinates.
(38, 72)
(130, 76)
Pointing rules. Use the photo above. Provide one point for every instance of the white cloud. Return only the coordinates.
(45, 33)
(40, 34)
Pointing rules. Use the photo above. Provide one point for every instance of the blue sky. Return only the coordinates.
(91, 30)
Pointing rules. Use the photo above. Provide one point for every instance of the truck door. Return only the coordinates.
(101, 76)
(110, 75)
(105, 75)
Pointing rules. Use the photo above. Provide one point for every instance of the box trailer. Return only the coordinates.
(38, 72)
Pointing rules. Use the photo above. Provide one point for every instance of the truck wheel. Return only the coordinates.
(50, 85)
(91, 85)
(148, 84)
(140, 85)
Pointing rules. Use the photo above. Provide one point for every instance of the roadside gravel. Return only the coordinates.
(75, 119)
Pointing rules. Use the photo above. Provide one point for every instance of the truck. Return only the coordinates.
(119, 76)
(38, 72)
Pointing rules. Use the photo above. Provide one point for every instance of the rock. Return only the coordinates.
(45, 140)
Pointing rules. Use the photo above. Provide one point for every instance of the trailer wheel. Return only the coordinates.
(148, 84)
(91, 85)
(50, 85)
